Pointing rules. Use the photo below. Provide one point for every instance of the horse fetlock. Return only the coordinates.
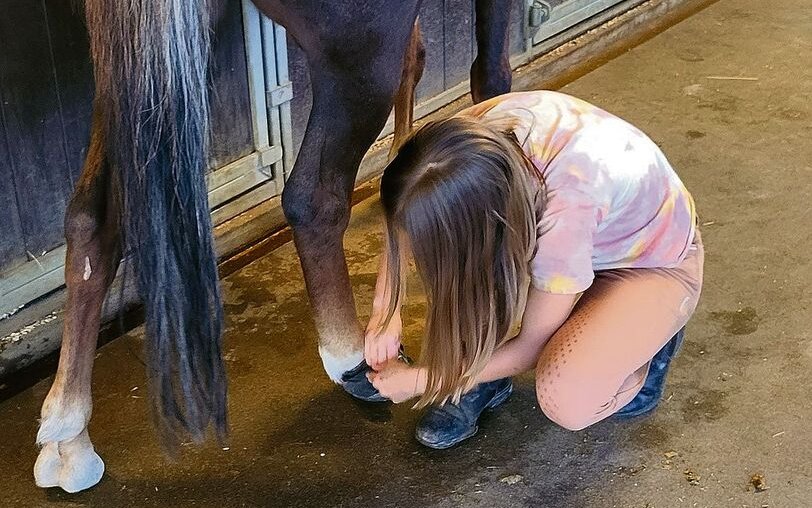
(63, 418)
(73, 465)
(490, 78)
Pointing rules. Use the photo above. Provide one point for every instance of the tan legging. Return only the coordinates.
(598, 360)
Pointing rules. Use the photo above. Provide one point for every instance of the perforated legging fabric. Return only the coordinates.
(598, 360)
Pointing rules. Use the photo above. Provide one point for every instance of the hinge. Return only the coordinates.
(539, 13)
(279, 95)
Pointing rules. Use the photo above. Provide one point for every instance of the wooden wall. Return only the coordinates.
(45, 92)
(46, 89)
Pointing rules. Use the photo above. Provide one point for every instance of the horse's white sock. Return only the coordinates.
(335, 366)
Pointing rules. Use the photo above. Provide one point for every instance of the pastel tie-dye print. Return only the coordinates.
(613, 200)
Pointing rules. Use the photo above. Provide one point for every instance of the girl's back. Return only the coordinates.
(613, 200)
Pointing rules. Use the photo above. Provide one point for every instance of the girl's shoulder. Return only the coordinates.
(540, 117)
(534, 101)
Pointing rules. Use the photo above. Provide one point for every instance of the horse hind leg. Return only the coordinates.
(67, 458)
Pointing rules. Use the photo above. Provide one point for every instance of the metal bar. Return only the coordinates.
(283, 76)
(271, 82)
(256, 76)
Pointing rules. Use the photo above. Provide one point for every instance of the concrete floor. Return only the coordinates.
(736, 403)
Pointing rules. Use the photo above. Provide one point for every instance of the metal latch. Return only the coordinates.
(539, 13)
(280, 95)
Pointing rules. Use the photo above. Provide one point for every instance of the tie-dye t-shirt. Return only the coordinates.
(613, 200)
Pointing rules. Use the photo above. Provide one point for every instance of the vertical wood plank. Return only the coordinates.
(431, 25)
(272, 81)
(458, 17)
(231, 131)
(12, 247)
(517, 27)
(280, 40)
(34, 129)
(73, 73)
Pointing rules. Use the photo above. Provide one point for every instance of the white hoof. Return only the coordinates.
(46, 469)
(81, 471)
(72, 465)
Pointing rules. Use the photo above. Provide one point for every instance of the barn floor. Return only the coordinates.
(736, 403)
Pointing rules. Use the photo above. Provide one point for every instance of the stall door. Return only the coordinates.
(45, 95)
(262, 64)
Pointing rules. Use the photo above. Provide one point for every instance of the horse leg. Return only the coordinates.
(354, 70)
(413, 64)
(490, 72)
(67, 458)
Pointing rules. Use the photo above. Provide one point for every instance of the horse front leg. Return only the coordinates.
(354, 80)
(316, 202)
(67, 458)
(490, 72)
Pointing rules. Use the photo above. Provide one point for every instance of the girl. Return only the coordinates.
(511, 210)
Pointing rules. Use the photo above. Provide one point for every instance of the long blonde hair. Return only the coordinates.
(464, 196)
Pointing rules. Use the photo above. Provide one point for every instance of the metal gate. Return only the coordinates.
(261, 175)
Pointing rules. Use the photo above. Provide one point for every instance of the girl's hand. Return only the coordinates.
(398, 382)
(382, 345)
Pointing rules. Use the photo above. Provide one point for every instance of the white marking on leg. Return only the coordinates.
(63, 420)
(335, 366)
(88, 271)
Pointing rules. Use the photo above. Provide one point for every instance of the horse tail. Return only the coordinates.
(150, 63)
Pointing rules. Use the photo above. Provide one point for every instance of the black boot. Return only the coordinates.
(444, 426)
(355, 381)
(649, 396)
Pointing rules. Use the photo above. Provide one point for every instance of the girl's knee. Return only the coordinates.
(560, 404)
(563, 416)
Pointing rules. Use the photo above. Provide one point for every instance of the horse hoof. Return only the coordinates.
(80, 471)
(46, 469)
(71, 465)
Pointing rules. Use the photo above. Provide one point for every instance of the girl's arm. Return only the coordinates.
(543, 315)
(380, 345)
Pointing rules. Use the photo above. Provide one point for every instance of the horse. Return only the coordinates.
(143, 187)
